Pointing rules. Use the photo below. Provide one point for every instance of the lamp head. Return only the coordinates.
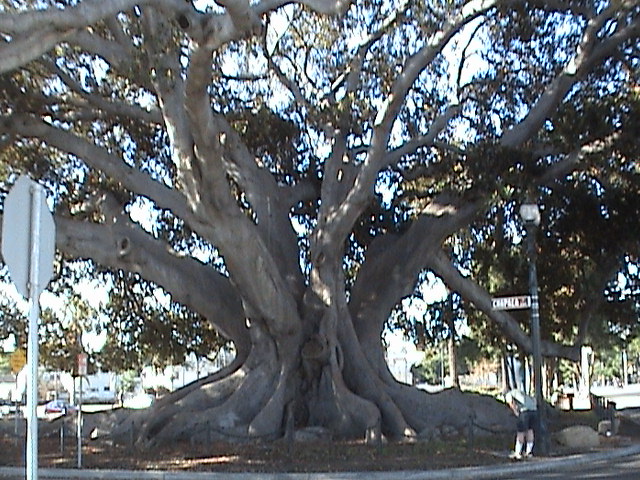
(530, 213)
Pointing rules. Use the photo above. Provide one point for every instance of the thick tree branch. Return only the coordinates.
(242, 15)
(198, 286)
(338, 222)
(591, 51)
(341, 218)
(102, 160)
(339, 173)
(332, 7)
(394, 261)
(109, 107)
(271, 207)
(34, 32)
(108, 50)
(121, 245)
(261, 280)
(114, 167)
(471, 291)
(573, 159)
(20, 51)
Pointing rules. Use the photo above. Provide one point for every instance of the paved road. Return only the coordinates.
(619, 464)
(626, 468)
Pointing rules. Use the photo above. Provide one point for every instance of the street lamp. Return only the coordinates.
(530, 215)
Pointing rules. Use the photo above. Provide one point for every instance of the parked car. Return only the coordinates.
(138, 401)
(6, 408)
(59, 406)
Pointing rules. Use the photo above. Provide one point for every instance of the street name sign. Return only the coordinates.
(519, 302)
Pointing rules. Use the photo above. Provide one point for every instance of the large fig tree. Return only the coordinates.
(288, 169)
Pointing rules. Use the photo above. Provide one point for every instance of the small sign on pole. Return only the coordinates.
(18, 359)
(82, 364)
(519, 302)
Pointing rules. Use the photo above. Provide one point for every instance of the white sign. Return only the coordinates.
(520, 302)
(21, 210)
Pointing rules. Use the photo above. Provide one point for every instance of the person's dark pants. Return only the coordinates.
(526, 420)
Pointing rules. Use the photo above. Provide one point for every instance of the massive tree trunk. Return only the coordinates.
(307, 340)
(326, 382)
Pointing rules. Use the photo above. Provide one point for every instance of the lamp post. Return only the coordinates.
(530, 215)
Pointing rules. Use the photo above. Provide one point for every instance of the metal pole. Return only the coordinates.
(32, 341)
(79, 419)
(453, 354)
(442, 363)
(542, 444)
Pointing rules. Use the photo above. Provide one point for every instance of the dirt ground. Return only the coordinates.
(224, 457)
(280, 456)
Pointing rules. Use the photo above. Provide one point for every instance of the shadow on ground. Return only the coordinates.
(318, 456)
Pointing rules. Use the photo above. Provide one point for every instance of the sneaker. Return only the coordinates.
(515, 455)
(527, 455)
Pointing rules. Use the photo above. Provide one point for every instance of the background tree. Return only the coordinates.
(287, 171)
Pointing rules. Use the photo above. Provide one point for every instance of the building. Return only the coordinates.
(7, 384)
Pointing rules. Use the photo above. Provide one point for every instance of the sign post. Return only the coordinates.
(28, 244)
(82, 371)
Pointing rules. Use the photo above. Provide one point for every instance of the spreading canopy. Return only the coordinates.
(288, 170)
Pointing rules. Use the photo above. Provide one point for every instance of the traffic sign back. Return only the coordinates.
(17, 236)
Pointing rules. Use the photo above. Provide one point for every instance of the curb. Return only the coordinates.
(491, 472)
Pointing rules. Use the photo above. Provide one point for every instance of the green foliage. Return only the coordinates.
(128, 380)
(5, 365)
(607, 365)
(431, 369)
(13, 323)
(436, 360)
(274, 139)
(145, 329)
(62, 336)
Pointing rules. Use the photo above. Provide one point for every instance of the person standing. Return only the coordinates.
(526, 411)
